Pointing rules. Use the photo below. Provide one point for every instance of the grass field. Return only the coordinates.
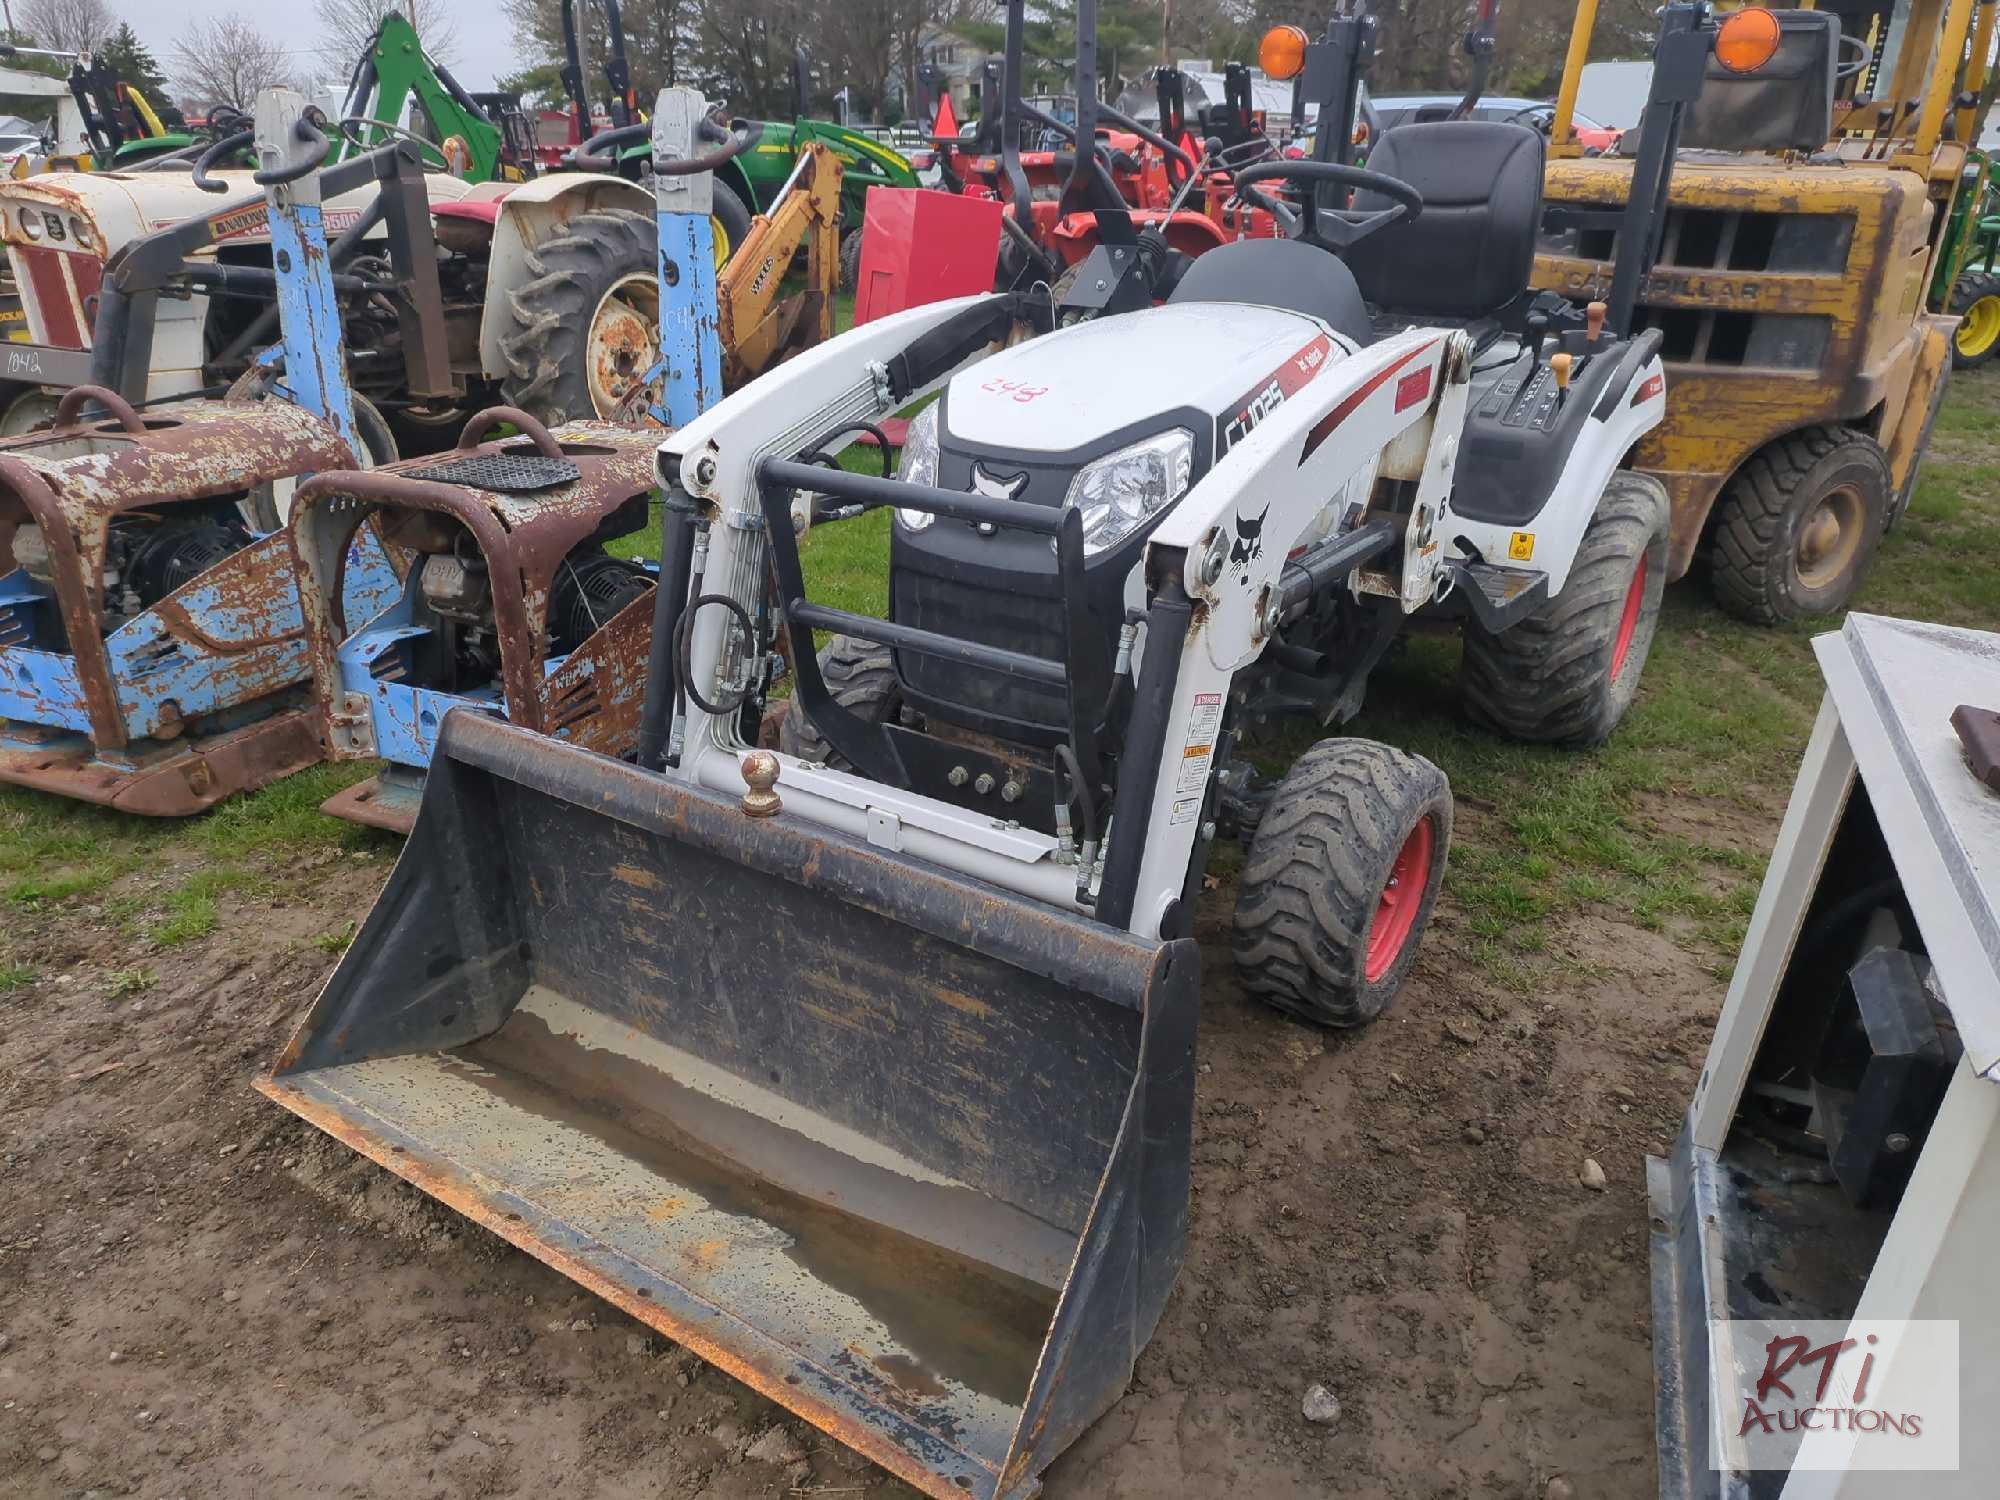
(1669, 823)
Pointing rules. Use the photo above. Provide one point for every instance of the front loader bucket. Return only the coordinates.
(904, 1152)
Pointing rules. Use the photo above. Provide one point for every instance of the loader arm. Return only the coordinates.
(760, 326)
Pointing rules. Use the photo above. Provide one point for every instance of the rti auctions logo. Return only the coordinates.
(1876, 1395)
(1784, 1356)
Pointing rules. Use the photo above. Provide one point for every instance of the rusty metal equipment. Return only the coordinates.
(152, 654)
(151, 651)
(510, 604)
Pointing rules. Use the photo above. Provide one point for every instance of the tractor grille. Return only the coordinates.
(1015, 621)
(58, 290)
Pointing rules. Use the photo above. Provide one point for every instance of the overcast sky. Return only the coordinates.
(484, 50)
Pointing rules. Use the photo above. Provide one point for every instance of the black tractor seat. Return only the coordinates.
(1461, 263)
(1279, 273)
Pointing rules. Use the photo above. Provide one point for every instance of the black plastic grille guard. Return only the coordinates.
(870, 748)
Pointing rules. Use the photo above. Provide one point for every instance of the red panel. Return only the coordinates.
(58, 306)
(485, 211)
(919, 246)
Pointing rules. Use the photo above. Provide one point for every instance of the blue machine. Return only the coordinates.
(151, 642)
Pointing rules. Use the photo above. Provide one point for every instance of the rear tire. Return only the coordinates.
(1975, 297)
(862, 678)
(1567, 673)
(570, 332)
(1319, 930)
(850, 262)
(729, 221)
(1798, 525)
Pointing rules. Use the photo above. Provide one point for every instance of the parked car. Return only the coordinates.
(1419, 109)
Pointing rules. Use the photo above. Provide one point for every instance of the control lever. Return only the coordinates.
(1593, 322)
(1559, 366)
(1538, 333)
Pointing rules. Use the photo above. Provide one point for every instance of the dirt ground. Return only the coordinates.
(200, 1296)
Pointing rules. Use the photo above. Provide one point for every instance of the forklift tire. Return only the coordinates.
(850, 261)
(553, 320)
(1341, 877)
(862, 678)
(1567, 673)
(1798, 524)
(1975, 297)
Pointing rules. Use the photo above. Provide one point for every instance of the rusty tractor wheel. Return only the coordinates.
(24, 408)
(583, 330)
(862, 678)
(1975, 297)
(1798, 524)
(1343, 872)
(1567, 673)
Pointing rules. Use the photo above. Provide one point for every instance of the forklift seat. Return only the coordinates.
(1469, 253)
(1279, 273)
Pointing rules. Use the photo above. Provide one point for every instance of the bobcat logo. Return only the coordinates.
(1249, 540)
(994, 486)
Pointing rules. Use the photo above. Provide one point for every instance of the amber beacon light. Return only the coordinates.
(1282, 53)
(1747, 40)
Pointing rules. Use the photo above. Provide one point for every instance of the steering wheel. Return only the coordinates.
(1340, 228)
(352, 126)
(1540, 117)
(1243, 154)
(1848, 70)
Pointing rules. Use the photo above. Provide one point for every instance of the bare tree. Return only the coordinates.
(67, 25)
(226, 60)
(350, 26)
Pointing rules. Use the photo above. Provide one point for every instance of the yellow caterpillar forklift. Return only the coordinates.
(1813, 182)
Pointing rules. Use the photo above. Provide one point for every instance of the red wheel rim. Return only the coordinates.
(1628, 624)
(1402, 896)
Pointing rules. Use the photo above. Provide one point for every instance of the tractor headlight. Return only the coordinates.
(1119, 491)
(919, 463)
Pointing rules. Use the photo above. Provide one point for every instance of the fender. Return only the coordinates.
(531, 212)
(1600, 449)
(1188, 231)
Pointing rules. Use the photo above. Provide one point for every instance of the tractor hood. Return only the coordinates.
(1125, 376)
(101, 211)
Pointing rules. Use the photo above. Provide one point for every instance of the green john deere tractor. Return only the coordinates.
(1968, 279)
(758, 176)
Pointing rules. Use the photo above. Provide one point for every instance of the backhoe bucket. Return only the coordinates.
(904, 1152)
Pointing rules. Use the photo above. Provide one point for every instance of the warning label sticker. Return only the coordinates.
(1197, 755)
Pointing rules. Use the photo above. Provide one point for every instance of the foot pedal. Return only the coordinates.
(1500, 596)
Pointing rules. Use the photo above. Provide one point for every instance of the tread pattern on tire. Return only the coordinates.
(1965, 291)
(862, 678)
(1314, 874)
(548, 316)
(1548, 679)
(850, 261)
(1745, 569)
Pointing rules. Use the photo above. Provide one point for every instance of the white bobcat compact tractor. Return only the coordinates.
(869, 1074)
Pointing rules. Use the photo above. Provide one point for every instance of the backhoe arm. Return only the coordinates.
(759, 328)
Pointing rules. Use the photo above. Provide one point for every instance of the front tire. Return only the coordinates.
(1567, 673)
(862, 678)
(1975, 297)
(1798, 525)
(850, 262)
(1342, 876)
(583, 330)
